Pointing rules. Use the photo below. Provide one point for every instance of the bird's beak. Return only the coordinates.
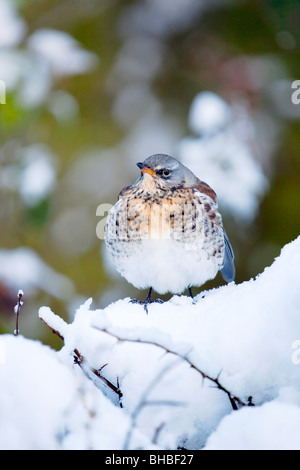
(146, 169)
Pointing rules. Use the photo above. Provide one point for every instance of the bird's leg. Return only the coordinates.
(191, 295)
(148, 298)
(147, 301)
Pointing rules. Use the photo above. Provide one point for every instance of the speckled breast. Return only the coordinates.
(187, 216)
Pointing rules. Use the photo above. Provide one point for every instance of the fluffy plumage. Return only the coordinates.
(165, 232)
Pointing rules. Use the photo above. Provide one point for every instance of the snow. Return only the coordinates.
(12, 28)
(63, 105)
(54, 408)
(157, 18)
(208, 113)
(243, 338)
(31, 64)
(223, 153)
(54, 46)
(39, 175)
(23, 267)
(273, 426)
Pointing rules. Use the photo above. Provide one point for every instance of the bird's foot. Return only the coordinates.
(147, 302)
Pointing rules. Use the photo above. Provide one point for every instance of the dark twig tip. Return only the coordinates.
(17, 310)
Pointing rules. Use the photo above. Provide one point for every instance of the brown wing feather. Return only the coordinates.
(206, 189)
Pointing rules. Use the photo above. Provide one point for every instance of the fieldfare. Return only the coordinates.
(165, 233)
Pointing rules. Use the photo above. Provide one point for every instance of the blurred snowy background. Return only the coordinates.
(93, 87)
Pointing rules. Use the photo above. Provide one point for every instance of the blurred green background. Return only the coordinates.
(93, 87)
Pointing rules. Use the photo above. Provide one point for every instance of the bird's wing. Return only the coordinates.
(228, 270)
(206, 189)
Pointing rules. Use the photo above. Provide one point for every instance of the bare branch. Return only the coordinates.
(157, 433)
(57, 333)
(17, 311)
(144, 402)
(234, 400)
(80, 360)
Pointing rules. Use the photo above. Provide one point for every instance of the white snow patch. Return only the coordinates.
(242, 335)
(243, 332)
(272, 426)
(47, 405)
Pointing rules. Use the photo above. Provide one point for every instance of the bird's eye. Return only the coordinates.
(166, 172)
(163, 172)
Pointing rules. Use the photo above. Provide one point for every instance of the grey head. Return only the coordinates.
(168, 171)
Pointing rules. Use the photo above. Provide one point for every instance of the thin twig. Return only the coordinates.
(144, 402)
(57, 333)
(80, 360)
(17, 311)
(234, 400)
(157, 433)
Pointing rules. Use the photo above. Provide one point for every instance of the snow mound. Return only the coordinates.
(46, 405)
(273, 426)
(183, 367)
(183, 376)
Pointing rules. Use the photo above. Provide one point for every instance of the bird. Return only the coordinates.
(165, 233)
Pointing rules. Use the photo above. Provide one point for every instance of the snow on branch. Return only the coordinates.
(59, 327)
(234, 400)
(17, 310)
(238, 339)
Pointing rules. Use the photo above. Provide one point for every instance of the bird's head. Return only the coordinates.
(166, 171)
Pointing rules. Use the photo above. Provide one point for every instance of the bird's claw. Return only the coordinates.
(146, 302)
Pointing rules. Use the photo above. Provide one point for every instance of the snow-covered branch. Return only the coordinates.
(81, 361)
(234, 400)
(140, 386)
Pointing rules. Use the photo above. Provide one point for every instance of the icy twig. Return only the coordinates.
(157, 433)
(56, 332)
(234, 400)
(144, 402)
(17, 311)
(81, 361)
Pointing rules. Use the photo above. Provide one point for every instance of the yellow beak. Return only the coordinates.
(146, 169)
